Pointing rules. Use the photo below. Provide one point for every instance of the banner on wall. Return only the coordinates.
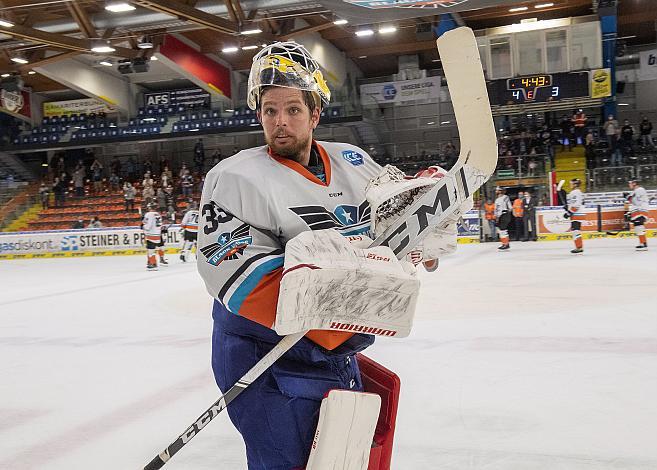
(16, 103)
(400, 91)
(80, 241)
(648, 65)
(469, 225)
(188, 97)
(600, 83)
(84, 105)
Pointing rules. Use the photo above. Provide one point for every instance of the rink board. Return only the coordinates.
(83, 242)
(597, 218)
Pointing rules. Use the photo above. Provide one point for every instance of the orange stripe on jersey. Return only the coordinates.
(638, 213)
(190, 227)
(153, 238)
(303, 171)
(260, 306)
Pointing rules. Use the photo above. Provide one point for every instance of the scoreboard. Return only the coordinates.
(540, 88)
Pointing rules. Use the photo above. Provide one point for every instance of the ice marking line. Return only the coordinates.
(39, 454)
(569, 344)
(75, 291)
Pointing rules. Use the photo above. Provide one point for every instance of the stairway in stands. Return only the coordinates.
(571, 164)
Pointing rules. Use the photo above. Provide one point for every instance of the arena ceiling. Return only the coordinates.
(51, 30)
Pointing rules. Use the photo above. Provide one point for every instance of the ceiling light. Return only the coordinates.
(430, 123)
(6, 23)
(230, 49)
(101, 46)
(145, 43)
(31, 72)
(118, 7)
(5, 75)
(19, 60)
(248, 48)
(544, 5)
(442, 123)
(106, 63)
(619, 104)
(387, 29)
(513, 10)
(229, 110)
(340, 22)
(435, 60)
(154, 58)
(364, 32)
(362, 57)
(252, 31)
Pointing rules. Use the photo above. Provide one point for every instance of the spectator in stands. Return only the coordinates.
(95, 223)
(61, 166)
(129, 193)
(589, 147)
(529, 217)
(182, 171)
(114, 181)
(579, 125)
(97, 175)
(161, 200)
(645, 133)
(148, 188)
(148, 165)
(171, 199)
(59, 189)
(199, 156)
(131, 169)
(531, 167)
(626, 138)
(78, 224)
(44, 195)
(545, 138)
(186, 184)
(518, 212)
(612, 130)
(166, 178)
(78, 181)
(115, 166)
(566, 134)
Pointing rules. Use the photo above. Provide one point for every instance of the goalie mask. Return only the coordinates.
(288, 65)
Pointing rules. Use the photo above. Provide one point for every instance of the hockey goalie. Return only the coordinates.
(315, 241)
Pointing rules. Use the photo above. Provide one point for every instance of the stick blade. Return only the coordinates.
(467, 87)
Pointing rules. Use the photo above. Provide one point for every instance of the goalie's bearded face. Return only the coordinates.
(288, 123)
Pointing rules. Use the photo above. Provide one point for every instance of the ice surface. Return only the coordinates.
(532, 359)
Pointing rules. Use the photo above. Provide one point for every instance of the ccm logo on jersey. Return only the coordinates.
(229, 245)
(377, 257)
(352, 157)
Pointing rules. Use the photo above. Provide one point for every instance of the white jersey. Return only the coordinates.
(152, 226)
(502, 205)
(639, 201)
(190, 221)
(255, 201)
(575, 200)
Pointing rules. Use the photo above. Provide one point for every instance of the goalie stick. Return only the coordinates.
(476, 162)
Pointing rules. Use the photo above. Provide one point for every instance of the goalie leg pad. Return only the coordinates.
(347, 421)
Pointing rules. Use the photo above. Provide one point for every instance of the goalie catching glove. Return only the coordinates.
(391, 191)
(332, 282)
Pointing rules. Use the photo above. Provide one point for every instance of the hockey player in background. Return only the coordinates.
(152, 227)
(503, 217)
(575, 203)
(253, 206)
(638, 213)
(190, 230)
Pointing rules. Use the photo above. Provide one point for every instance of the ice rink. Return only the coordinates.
(533, 359)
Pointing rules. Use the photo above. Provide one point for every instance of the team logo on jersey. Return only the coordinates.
(352, 157)
(347, 219)
(229, 246)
